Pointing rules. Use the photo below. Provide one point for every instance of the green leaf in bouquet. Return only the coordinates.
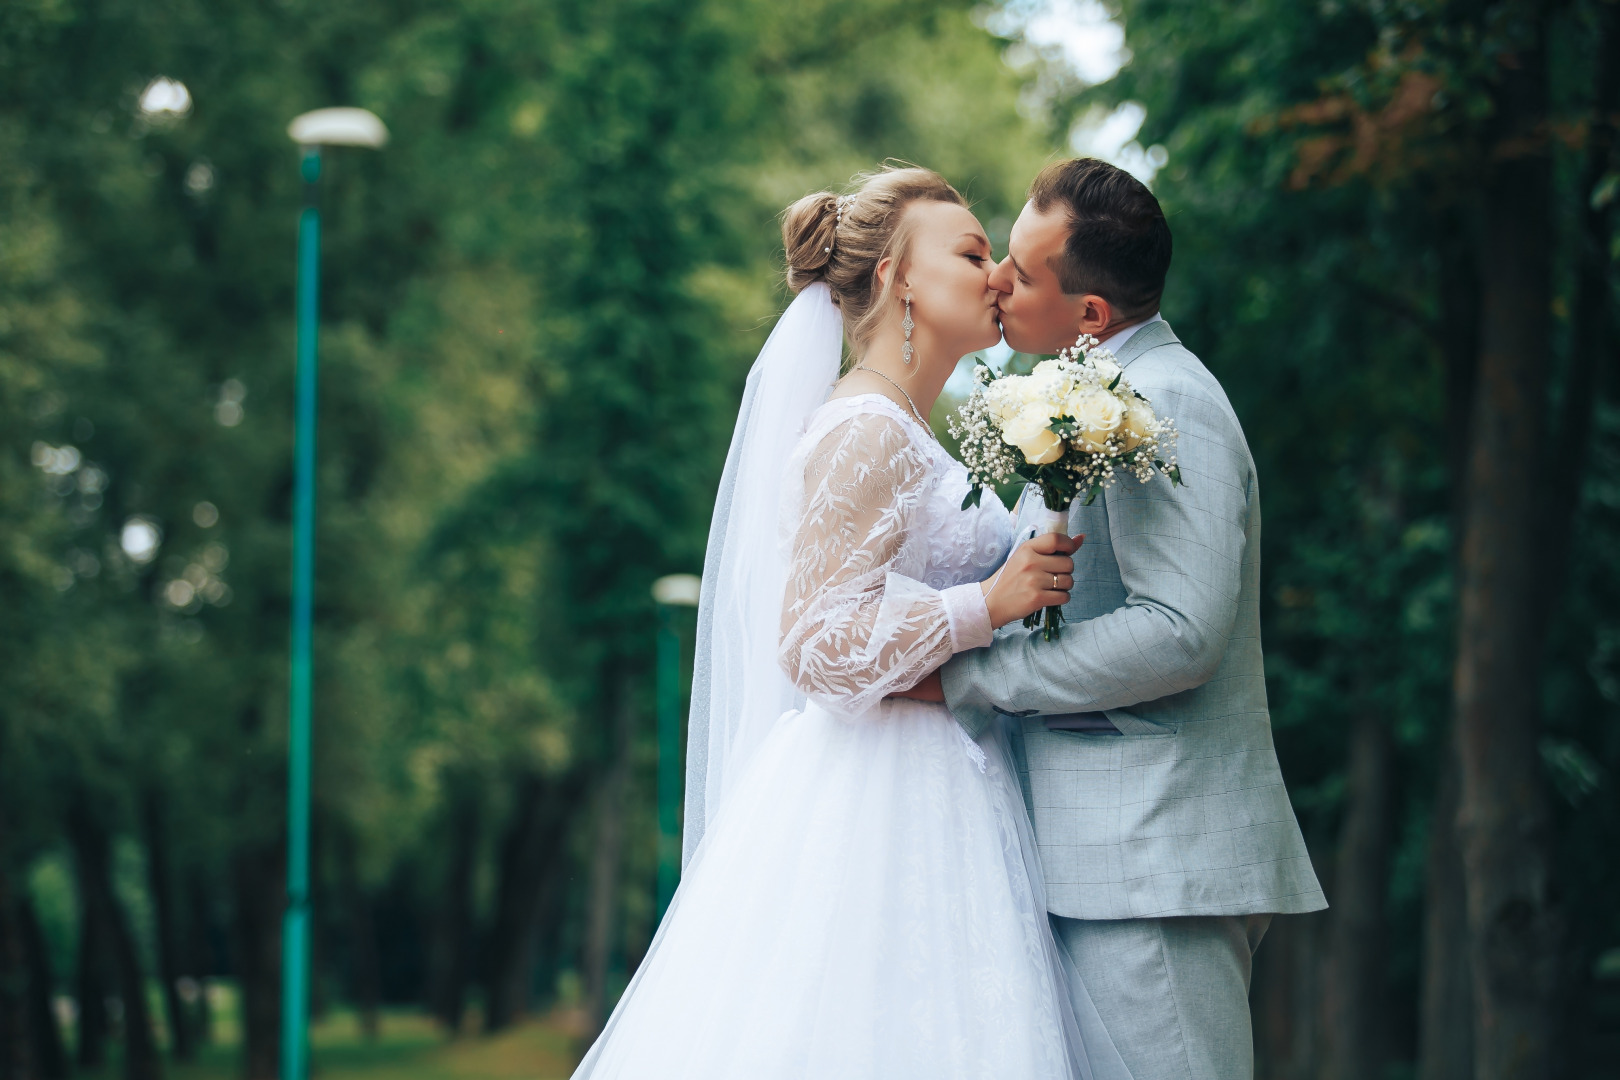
(1057, 486)
(1096, 489)
(972, 497)
(1115, 383)
(1064, 427)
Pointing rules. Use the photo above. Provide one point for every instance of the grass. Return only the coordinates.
(408, 1047)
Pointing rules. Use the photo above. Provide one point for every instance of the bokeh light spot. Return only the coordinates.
(55, 460)
(164, 96)
(200, 177)
(140, 539)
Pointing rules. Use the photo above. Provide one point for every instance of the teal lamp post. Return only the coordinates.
(311, 131)
(670, 592)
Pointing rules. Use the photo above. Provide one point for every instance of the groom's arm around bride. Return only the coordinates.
(1167, 836)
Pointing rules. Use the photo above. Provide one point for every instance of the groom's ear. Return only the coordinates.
(1096, 314)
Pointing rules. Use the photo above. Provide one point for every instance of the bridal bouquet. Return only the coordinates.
(1069, 427)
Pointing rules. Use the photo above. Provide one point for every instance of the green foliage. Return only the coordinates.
(538, 306)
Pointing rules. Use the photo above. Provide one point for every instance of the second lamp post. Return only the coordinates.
(311, 131)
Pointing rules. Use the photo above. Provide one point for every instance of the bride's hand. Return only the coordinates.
(1038, 574)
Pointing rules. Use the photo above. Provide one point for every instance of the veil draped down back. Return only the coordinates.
(738, 689)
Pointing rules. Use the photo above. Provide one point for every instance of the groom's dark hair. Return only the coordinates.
(1119, 242)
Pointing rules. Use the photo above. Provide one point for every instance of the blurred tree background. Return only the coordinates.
(1396, 248)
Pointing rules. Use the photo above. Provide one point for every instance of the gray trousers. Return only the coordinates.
(1173, 993)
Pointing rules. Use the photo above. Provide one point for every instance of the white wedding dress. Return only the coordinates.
(865, 902)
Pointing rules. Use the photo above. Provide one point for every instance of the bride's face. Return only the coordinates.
(947, 272)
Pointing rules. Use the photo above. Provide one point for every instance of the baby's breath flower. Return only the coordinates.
(1105, 426)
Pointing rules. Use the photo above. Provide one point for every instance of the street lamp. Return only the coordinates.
(311, 131)
(670, 592)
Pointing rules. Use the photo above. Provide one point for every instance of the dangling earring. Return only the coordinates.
(906, 350)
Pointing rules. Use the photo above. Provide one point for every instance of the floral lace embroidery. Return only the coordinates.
(879, 532)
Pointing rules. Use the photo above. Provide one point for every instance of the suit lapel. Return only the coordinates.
(1150, 336)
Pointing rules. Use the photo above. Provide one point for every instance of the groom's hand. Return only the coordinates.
(930, 689)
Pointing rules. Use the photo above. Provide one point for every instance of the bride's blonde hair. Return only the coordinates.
(840, 239)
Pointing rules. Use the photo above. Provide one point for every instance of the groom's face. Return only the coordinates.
(1036, 315)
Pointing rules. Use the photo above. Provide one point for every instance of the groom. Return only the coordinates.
(1166, 833)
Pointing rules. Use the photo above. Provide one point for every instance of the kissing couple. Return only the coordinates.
(922, 841)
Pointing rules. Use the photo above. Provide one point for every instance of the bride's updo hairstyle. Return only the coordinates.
(844, 249)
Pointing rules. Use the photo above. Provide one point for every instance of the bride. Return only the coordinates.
(861, 896)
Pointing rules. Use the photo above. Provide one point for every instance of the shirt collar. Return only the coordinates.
(1116, 341)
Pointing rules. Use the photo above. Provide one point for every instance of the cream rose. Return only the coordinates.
(1099, 414)
(1047, 372)
(1138, 419)
(1031, 433)
(1106, 369)
(1007, 397)
(1049, 383)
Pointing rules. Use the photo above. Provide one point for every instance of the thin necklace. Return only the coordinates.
(914, 411)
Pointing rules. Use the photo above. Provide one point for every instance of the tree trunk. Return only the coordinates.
(259, 886)
(16, 1057)
(453, 930)
(528, 855)
(1503, 820)
(93, 849)
(1354, 995)
(367, 981)
(1446, 1009)
(1287, 995)
(141, 1059)
(200, 959)
(91, 987)
(1446, 1026)
(550, 913)
(1459, 289)
(606, 857)
(181, 1044)
(47, 1053)
(45, 1037)
(1591, 337)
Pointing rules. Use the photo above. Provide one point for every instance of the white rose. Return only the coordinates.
(1049, 381)
(1138, 419)
(1008, 396)
(1046, 371)
(1030, 431)
(1106, 369)
(1098, 413)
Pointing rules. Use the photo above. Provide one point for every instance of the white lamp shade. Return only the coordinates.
(680, 589)
(338, 127)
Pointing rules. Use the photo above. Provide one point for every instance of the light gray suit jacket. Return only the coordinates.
(1183, 811)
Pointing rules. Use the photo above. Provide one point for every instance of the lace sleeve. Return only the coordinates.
(854, 628)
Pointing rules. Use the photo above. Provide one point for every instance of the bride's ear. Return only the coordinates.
(884, 274)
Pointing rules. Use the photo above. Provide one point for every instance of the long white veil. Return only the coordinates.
(738, 690)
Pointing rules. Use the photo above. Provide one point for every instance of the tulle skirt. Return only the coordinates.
(863, 905)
